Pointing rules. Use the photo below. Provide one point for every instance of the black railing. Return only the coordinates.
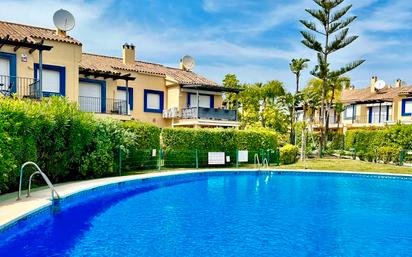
(19, 86)
(208, 113)
(99, 105)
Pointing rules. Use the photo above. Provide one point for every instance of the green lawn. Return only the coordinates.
(318, 164)
(348, 165)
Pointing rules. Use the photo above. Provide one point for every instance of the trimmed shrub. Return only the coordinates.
(288, 154)
(181, 146)
(66, 143)
(145, 138)
(389, 154)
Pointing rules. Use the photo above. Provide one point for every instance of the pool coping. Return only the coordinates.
(12, 211)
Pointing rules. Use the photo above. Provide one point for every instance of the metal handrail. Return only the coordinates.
(256, 160)
(265, 163)
(49, 184)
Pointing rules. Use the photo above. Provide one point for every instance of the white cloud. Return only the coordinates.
(222, 54)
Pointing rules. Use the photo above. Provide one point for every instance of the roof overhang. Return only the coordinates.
(213, 88)
(106, 74)
(24, 43)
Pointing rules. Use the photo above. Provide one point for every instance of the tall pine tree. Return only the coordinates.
(332, 27)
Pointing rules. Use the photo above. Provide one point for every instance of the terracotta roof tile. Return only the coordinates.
(18, 32)
(113, 64)
(365, 95)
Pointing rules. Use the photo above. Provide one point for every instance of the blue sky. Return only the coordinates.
(253, 39)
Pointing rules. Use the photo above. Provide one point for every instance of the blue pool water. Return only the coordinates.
(247, 214)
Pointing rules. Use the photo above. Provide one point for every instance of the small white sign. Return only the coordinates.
(243, 156)
(216, 158)
(154, 153)
(23, 57)
(228, 158)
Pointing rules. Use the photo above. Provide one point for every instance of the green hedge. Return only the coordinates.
(182, 146)
(66, 143)
(380, 144)
(288, 154)
(146, 137)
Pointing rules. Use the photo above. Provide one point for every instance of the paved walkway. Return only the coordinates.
(12, 210)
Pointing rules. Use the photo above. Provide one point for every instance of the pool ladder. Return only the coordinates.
(38, 171)
(265, 163)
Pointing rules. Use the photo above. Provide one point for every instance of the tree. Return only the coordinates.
(310, 100)
(260, 106)
(331, 23)
(334, 88)
(296, 66)
(231, 81)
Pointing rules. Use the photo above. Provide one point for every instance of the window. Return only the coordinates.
(350, 112)
(153, 101)
(92, 95)
(205, 101)
(121, 95)
(407, 107)
(7, 72)
(378, 114)
(54, 79)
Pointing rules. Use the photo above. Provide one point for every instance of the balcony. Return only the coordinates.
(370, 120)
(202, 117)
(19, 87)
(208, 114)
(98, 105)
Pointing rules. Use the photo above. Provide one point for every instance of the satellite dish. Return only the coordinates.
(380, 84)
(63, 20)
(188, 62)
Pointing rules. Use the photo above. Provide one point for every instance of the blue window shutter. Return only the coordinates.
(370, 114)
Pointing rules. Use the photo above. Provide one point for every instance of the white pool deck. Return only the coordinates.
(12, 210)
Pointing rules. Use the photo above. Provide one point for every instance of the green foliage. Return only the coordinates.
(261, 106)
(66, 143)
(180, 145)
(389, 154)
(145, 138)
(288, 154)
(384, 143)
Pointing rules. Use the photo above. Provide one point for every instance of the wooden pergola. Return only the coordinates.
(33, 46)
(110, 75)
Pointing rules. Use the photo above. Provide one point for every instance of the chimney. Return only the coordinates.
(129, 54)
(398, 83)
(373, 81)
(60, 32)
(181, 65)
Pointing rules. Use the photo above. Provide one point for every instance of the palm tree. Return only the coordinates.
(296, 66)
(310, 102)
(335, 86)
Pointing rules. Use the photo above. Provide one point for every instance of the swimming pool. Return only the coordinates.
(225, 214)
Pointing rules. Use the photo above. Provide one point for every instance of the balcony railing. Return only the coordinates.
(374, 119)
(208, 113)
(98, 105)
(19, 86)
